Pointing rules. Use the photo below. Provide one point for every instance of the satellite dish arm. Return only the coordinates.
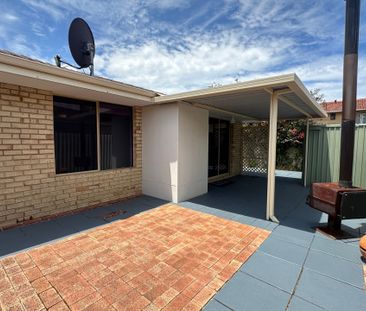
(60, 61)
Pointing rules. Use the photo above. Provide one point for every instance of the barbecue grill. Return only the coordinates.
(341, 200)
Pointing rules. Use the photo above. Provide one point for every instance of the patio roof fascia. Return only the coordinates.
(291, 81)
(38, 74)
(300, 90)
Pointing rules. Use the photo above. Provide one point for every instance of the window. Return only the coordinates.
(361, 118)
(75, 127)
(115, 136)
(332, 116)
(76, 141)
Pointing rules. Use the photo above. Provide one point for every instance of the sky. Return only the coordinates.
(178, 45)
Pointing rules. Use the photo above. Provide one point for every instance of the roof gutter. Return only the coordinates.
(258, 84)
(40, 70)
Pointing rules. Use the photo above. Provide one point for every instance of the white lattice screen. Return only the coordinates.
(255, 148)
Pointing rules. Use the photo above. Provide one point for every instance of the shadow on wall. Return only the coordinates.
(21, 238)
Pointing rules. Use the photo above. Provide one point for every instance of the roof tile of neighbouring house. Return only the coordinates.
(336, 106)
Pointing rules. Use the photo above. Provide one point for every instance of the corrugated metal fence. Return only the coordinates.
(324, 151)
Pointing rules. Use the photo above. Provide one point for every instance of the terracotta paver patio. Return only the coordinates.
(168, 258)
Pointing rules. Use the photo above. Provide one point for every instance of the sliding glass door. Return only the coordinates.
(218, 147)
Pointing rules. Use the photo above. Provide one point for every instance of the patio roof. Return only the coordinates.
(271, 99)
(250, 100)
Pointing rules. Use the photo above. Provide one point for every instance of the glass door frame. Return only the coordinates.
(227, 173)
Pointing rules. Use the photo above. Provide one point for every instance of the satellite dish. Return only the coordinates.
(81, 44)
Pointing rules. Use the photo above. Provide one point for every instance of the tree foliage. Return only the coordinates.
(291, 140)
(318, 96)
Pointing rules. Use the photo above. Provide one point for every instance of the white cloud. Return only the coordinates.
(168, 4)
(312, 17)
(198, 63)
(49, 7)
(10, 17)
(177, 45)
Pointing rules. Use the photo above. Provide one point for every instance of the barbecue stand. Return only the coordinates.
(341, 200)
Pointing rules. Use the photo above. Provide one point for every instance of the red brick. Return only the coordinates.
(78, 292)
(151, 307)
(50, 297)
(161, 270)
(41, 284)
(33, 303)
(18, 280)
(183, 282)
(165, 298)
(103, 279)
(193, 289)
(8, 262)
(86, 302)
(156, 291)
(8, 298)
(13, 269)
(61, 306)
(204, 296)
(244, 255)
(5, 284)
(192, 306)
(132, 302)
(115, 290)
(33, 274)
(216, 284)
(99, 305)
(229, 270)
(177, 303)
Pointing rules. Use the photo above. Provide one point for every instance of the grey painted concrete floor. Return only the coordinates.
(294, 269)
(22, 238)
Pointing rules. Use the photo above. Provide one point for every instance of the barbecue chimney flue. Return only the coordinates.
(349, 91)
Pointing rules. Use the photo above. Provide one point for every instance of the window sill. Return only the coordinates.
(95, 171)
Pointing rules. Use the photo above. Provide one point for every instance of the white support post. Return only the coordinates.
(272, 144)
(306, 152)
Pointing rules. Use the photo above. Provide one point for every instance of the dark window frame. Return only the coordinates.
(332, 116)
(98, 167)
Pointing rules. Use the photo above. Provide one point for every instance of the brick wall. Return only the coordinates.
(235, 155)
(236, 149)
(29, 187)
